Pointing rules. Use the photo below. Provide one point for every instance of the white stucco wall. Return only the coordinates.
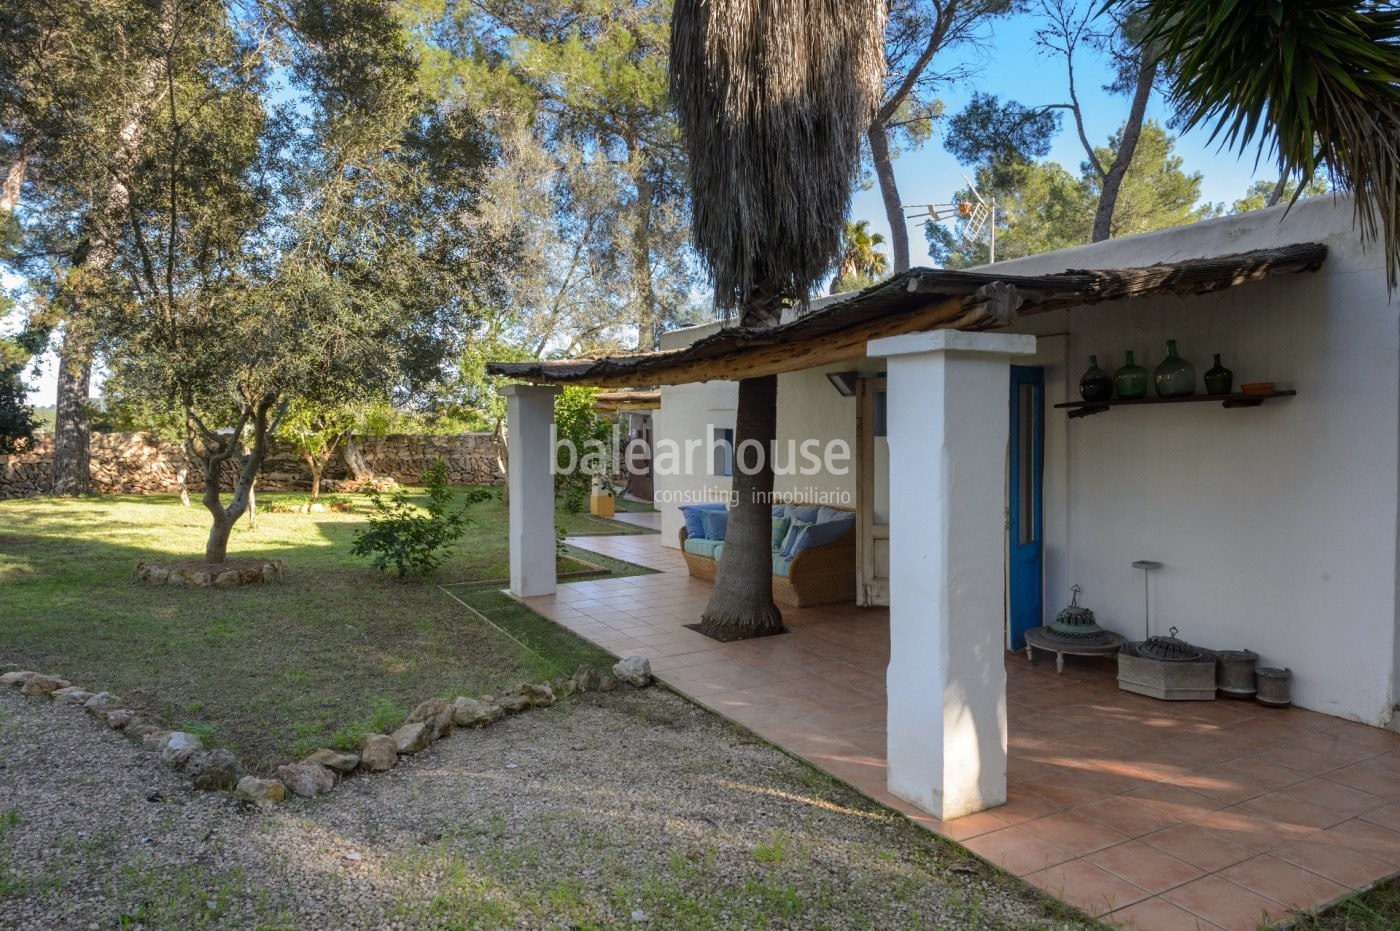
(1276, 525)
(809, 408)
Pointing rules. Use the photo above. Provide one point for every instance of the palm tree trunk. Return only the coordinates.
(889, 193)
(741, 605)
(1127, 146)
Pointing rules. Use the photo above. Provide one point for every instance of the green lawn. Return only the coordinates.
(271, 671)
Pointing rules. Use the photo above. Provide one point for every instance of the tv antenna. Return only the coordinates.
(980, 215)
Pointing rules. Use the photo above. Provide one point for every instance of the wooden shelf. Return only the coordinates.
(1088, 408)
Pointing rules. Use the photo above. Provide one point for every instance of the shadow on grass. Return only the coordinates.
(332, 651)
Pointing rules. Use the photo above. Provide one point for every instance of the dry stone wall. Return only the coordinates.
(143, 464)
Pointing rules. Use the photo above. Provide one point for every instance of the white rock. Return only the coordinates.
(634, 670)
(177, 747)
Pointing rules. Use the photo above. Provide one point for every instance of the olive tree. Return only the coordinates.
(322, 253)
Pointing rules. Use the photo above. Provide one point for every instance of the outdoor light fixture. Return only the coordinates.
(843, 382)
(1148, 566)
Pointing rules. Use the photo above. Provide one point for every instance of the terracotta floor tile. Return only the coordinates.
(1157, 914)
(1367, 778)
(1073, 833)
(1283, 882)
(1332, 795)
(1302, 759)
(1364, 837)
(1202, 786)
(1145, 866)
(1388, 817)
(1199, 847)
(1223, 903)
(1339, 748)
(1255, 830)
(1023, 805)
(1293, 816)
(1337, 863)
(984, 822)
(1127, 815)
(1087, 887)
(1269, 775)
(1182, 804)
(1014, 850)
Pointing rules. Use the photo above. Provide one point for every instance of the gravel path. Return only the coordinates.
(633, 809)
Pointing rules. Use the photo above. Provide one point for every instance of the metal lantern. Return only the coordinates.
(1169, 649)
(1075, 622)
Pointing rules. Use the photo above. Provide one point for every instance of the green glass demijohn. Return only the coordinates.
(1175, 377)
(1130, 381)
(1219, 380)
(1096, 385)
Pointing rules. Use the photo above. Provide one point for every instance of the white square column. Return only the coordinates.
(948, 429)
(530, 483)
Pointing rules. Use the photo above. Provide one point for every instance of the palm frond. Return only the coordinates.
(1314, 82)
(773, 97)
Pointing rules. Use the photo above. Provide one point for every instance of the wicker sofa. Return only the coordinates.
(817, 576)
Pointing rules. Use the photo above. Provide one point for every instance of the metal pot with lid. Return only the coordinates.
(1077, 622)
(1169, 648)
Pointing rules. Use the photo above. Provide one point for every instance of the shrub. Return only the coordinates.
(415, 539)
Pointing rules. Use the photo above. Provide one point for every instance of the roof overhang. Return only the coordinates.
(617, 401)
(916, 300)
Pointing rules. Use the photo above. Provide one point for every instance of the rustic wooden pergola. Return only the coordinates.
(917, 300)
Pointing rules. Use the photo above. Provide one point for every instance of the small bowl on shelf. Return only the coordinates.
(1258, 388)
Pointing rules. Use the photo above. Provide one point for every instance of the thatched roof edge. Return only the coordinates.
(919, 299)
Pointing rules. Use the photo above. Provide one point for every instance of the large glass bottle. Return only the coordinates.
(1175, 377)
(1096, 385)
(1130, 381)
(1219, 380)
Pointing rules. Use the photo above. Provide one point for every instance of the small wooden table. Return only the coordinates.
(1042, 638)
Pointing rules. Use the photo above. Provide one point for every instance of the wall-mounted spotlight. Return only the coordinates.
(843, 382)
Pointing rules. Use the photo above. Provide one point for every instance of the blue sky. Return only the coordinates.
(1009, 65)
(1012, 66)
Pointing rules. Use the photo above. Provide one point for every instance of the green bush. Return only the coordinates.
(575, 420)
(412, 539)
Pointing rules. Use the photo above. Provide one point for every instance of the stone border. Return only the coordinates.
(324, 769)
(196, 577)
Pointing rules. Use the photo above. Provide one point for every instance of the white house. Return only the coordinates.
(980, 502)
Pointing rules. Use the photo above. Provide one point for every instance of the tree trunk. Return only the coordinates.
(14, 178)
(216, 451)
(317, 466)
(498, 440)
(889, 193)
(741, 605)
(216, 550)
(181, 477)
(69, 474)
(1127, 145)
(641, 268)
(355, 462)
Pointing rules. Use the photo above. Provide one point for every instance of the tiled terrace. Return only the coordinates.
(1153, 815)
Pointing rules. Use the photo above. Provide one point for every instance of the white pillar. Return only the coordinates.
(530, 480)
(946, 683)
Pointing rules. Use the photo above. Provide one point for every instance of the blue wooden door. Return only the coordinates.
(1026, 510)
